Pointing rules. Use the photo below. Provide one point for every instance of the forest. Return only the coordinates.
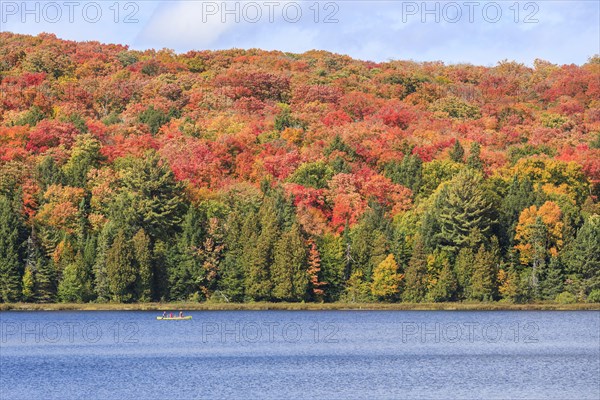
(251, 175)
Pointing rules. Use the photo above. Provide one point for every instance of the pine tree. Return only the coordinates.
(457, 153)
(415, 275)
(463, 207)
(120, 269)
(386, 280)
(10, 265)
(289, 270)
(143, 261)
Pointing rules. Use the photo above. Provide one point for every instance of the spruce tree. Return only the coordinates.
(443, 285)
(415, 275)
(10, 263)
(485, 271)
(232, 282)
(457, 153)
(120, 269)
(332, 265)
(257, 275)
(289, 274)
(474, 159)
(583, 255)
(143, 262)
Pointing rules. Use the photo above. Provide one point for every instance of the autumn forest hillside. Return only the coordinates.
(250, 175)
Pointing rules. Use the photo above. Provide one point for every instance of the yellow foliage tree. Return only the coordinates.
(386, 279)
(539, 233)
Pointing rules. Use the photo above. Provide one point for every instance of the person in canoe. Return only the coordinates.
(164, 314)
(180, 314)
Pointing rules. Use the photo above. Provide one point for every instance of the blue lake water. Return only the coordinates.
(301, 355)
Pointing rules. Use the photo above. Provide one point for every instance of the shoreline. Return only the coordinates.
(264, 306)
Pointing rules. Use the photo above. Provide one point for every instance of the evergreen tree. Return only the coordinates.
(257, 275)
(184, 259)
(474, 159)
(463, 207)
(232, 282)
(143, 261)
(485, 271)
(583, 255)
(46, 282)
(386, 280)
(457, 153)
(379, 252)
(443, 285)
(552, 283)
(407, 173)
(101, 282)
(415, 275)
(150, 198)
(120, 269)
(10, 265)
(464, 271)
(332, 266)
(357, 289)
(289, 274)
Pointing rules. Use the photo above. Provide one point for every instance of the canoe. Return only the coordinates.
(175, 318)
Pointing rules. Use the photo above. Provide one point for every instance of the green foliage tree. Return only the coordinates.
(315, 174)
(28, 284)
(357, 289)
(85, 155)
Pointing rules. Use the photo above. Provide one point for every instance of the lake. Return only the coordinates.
(300, 355)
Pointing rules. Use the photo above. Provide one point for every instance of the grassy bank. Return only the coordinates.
(293, 306)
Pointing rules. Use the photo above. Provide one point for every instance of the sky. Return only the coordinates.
(464, 31)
